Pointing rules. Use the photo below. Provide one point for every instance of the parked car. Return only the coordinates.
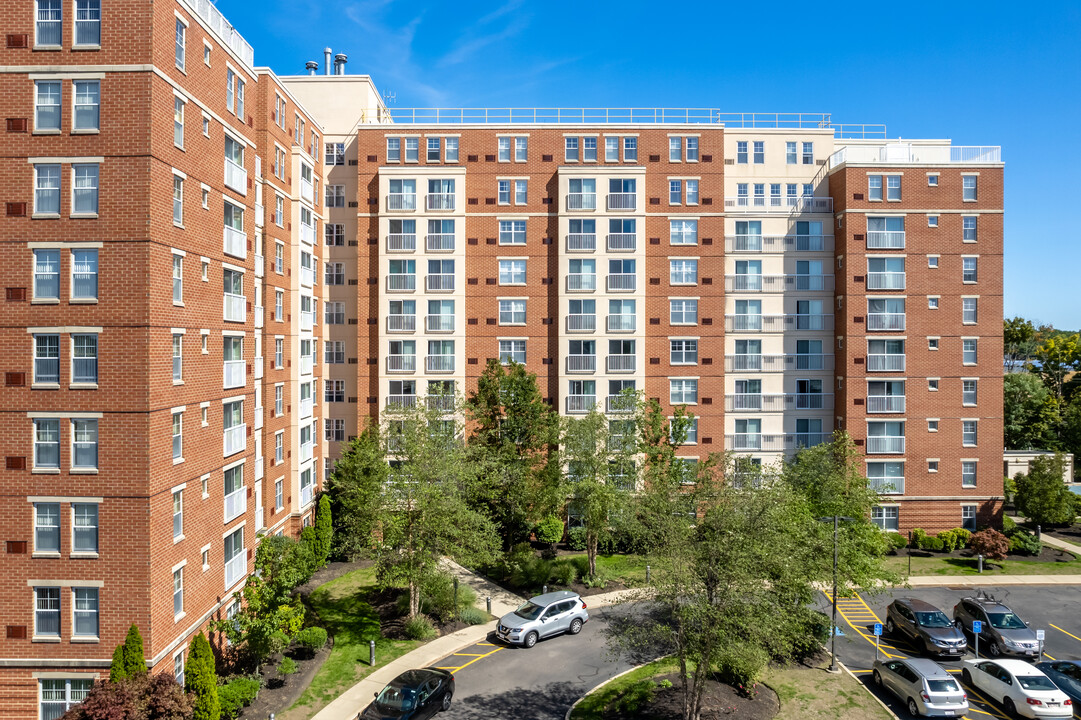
(926, 625)
(923, 685)
(1066, 674)
(543, 616)
(413, 695)
(1021, 688)
(1003, 632)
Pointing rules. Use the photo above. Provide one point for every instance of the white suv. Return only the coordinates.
(543, 616)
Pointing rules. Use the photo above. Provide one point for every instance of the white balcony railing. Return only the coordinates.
(619, 403)
(775, 204)
(744, 441)
(885, 403)
(582, 201)
(401, 282)
(439, 363)
(621, 242)
(236, 503)
(810, 401)
(260, 316)
(401, 401)
(401, 363)
(581, 363)
(306, 364)
(581, 403)
(744, 361)
(236, 242)
(401, 323)
(439, 282)
(257, 371)
(306, 495)
(307, 234)
(626, 322)
(885, 363)
(910, 153)
(305, 407)
(306, 452)
(885, 445)
(622, 282)
(307, 320)
(811, 361)
(778, 243)
(812, 322)
(401, 242)
(440, 201)
(581, 242)
(744, 323)
(621, 363)
(235, 438)
(236, 568)
(260, 211)
(259, 473)
(260, 266)
(796, 441)
(259, 524)
(886, 240)
(233, 374)
(440, 323)
(885, 281)
(888, 485)
(401, 201)
(622, 201)
(885, 321)
(236, 177)
(306, 190)
(581, 282)
(307, 276)
(439, 242)
(257, 423)
(234, 307)
(581, 323)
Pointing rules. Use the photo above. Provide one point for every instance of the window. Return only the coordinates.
(334, 273)
(874, 187)
(178, 436)
(47, 444)
(512, 272)
(932, 302)
(512, 232)
(278, 407)
(278, 492)
(334, 390)
(335, 153)
(521, 149)
(334, 429)
(503, 150)
(932, 466)
(278, 299)
(968, 473)
(512, 312)
(968, 311)
(394, 149)
(675, 149)
(279, 344)
(759, 152)
(512, 351)
(178, 668)
(84, 274)
(47, 106)
(178, 122)
(503, 192)
(520, 191)
(885, 517)
(433, 149)
(893, 188)
(932, 179)
(630, 149)
(84, 528)
(235, 565)
(60, 695)
(932, 221)
(932, 384)
(334, 234)
(675, 192)
(178, 280)
(741, 152)
(611, 149)
(46, 612)
(968, 517)
(571, 149)
(932, 425)
(47, 527)
(683, 312)
(808, 153)
(790, 153)
(968, 228)
(683, 232)
(178, 591)
(683, 391)
(178, 200)
(85, 192)
(84, 444)
(683, 271)
(86, 612)
(968, 351)
(178, 358)
(692, 149)
(46, 359)
(335, 195)
(968, 433)
(178, 514)
(968, 188)
(181, 37)
(48, 28)
(412, 149)
(46, 189)
(206, 128)
(451, 153)
(684, 352)
(46, 274)
(968, 269)
(589, 149)
(334, 313)
(334, 352)
(932, 261)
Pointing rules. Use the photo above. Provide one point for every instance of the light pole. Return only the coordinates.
(835, 519)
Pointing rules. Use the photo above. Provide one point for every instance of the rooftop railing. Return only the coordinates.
(915, 153)
(223, 29)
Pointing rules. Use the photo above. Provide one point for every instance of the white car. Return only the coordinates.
(1019, 687)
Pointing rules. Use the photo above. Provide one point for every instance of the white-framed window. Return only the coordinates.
(412, 149)
(279, 500)
(48, 26)
(178, 122)
(181, 42)
(334, 234)
(741, 152)
(968, 310)
(683, 311)
(570, 152)
(885, 517)
(512, 232)
(691, 427)
(46, 527)
(893, 188)
(235, 565)
(46, 612)
(178, 591)
(279, 299)
(178, 200)
(932, 221)
(335, 153)
(589, 149)
(512, 351)
(683, 232)
(334, 273)
(874, 188)
(47, 105)
(334, 429)
(46, 274)
(279, 453)
(969, 272)
(682, 391)
(335, 195)
(790, 157)
(178, 514)
(630, 149)
(334, 313)
(503, 192)
(46, 189)
(278, 390)
(58, 695)
(84, 444)
(692, 149)
(334, 352)
(178, 358)
(611, 149)
(512, 312)
(86, 612)
(512, 272)
(84, 200)
(932, 425)
(759, 152)
(503, 149)
(932, 302)
(521, 149)
(334, 390)
(46, 359)
(675, 149)
(683, 271)
(932, 179)
(932, 384)
(178, 436)
(450, 153)
(968, 351)
(47, 444)
(932, 466)
(968, 432)
(968, 473)
(683, 352)
(178, 280)
(178, 668)
(968, 188)
(968, 228)
(675, 192)
(394, 149)
(520, 191)
(968, 517)
(84, 529)
(808, 153)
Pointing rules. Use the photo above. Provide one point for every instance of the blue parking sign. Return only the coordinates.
(977, 626)
(878, 629)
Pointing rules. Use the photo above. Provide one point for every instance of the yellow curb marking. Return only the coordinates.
(1063, 631)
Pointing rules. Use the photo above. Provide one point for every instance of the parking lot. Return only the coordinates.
(1055, 609)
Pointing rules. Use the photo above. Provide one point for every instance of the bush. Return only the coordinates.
(287, 666)
(549, 530)
(576, 538)
(931, 543)
(533, 574)
(896, 540)
(581, 562)
(437, 597)
(1009, 490)
(155, 696)
(418, 627)
(1009, 527)
(917, 538)
(1023, 542)
(474, 616)
(741, 666)
(236, 694)
(564, 572)
(311, 639)
(954, 539)
(990, 543)
(200, 680)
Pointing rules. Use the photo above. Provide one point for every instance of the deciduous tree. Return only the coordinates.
(1042, 495)
(1056, 358)
(354, 490)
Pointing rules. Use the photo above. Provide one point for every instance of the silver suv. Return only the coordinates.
(543, 616)
(1003, 633)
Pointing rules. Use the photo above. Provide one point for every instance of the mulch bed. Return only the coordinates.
(718, 701)
(1070, 534)
(1047, 554)
(279, 692)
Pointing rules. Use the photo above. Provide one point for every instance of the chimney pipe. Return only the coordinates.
(339, 63)
(326, 61)
(311, 66)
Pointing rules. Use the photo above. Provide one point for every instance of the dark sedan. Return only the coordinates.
(413, 695)
(1066, 674)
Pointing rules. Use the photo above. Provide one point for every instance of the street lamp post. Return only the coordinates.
(835, 519)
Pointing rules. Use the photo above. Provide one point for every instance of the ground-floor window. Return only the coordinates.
(968, 517)
(885, 516)
(58, 695)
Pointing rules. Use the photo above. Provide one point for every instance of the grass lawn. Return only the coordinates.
(805, 694)
(628, 569)
(344, 611)
(967, 566)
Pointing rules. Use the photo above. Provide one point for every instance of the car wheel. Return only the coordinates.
(994, 650)
(446, 700)
(966, 678)
(878, 679)
(576, 626)
(913, 708)
(1009, 707)
(890, 626)
(530, 640)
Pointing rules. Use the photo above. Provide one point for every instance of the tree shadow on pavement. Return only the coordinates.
(549, 702)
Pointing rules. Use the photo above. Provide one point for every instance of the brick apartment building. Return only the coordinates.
(782, 281)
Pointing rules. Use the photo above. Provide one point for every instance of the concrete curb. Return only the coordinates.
(876, 698)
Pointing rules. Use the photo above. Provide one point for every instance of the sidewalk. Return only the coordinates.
(1053, 541)
(977, 580)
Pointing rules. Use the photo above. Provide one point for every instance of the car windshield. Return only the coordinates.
(934, 619)
(1036, 682)
(1006, 621)
(396, 698)
(529, 611)
(942, 686)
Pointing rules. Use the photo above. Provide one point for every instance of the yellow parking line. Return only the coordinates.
(972, 692)
(469, 654)
(1063, 631)
(479, 657)
(486, 644)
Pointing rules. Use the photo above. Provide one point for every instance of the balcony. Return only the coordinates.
(885, 281)
(582, 201)
(581, 282)
(810, 401)
(888, 485)
(621, 363)
(754, 323)
(307, 234)
(622, 201)
(259, 316)
(236, 568)
(401, 282)
(259, 474)
(233, 374)
(795, 441)
(809, 282)
(885, 363)
(753, 283)
(620, 403)
(622, 323)
(236, 177)
(440, 323)
(622, 282)
(306, 452)
(753, 363)
(581, 363)
(235, 307)
(439, 242)
(235, 503)
(306, 495)
(260, 212)
(401, 323)
(581, 242)
(909, 153)
(622, 242)
(442, 403)
(581, 403)
(886, 240)
(885, 445)
(885, 321)
(235, 438)
(401, 401)
(812, 322)
(753, 402)
(439, 363)
(306, 407)
(778, 243)
(257, 423)
(236, 242)
(580, 323)
(440, 201)
(307, 276)
(401, 201)
(257, 372)
(307, 320)
(306, 364)
(401, 242)
(775, 204)
(401, 363)
(811, 361)
(260, 266)
(885, 403)
(306, 192)
(748, 442)
(440, 282)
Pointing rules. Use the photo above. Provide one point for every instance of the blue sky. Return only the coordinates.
(991, 73)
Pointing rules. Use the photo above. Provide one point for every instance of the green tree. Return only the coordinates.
(117, 671)
(1030, 413)
(1042, 495)
(354, 488)
(134, 659)
(424, 510)
(1055, 359)
(1019, 341)
(1071, 430)
(201, 680)
(512, 441)
(324, 531)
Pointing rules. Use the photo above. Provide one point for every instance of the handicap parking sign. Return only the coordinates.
(878, 629)
(977, 626)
